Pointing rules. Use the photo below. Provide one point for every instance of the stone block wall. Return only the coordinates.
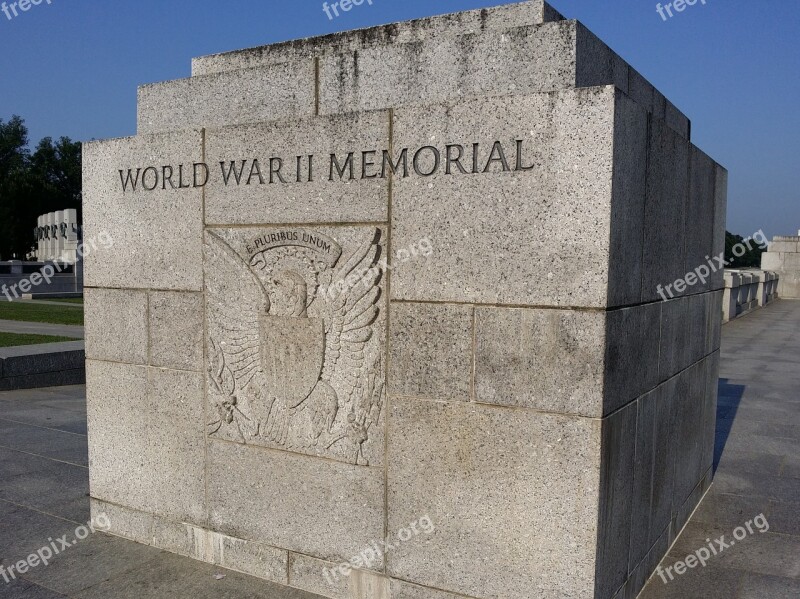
(400, 276)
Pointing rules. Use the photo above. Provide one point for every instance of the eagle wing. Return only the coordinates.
(236, 299)
(350, 310)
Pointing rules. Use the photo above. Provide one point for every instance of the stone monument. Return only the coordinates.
(57, 236)
(783, 257)
(382, 318)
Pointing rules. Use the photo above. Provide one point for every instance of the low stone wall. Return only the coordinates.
(47, 365)
(747, 290)
(783, 257)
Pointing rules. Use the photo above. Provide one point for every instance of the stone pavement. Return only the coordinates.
(44, 486)
(757, 455)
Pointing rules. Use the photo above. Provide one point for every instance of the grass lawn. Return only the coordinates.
(28, 312)
(13, 339)
(66, 300)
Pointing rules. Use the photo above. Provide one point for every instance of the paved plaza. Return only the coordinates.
(44, 494)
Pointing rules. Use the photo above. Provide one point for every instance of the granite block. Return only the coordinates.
(549, 360)
(430, 353)
(520, 60)
(117, 412)
(665, 211)
(116, 325)
(627, 204)
(690, 406)
(783, 246)
(675, 351)
(246, 96)
(143, 239)
(615, 527)
(700, 221)
(320, 508)
(309, 574)
(175, 469)
(632, 354)
(478, 223)
(720, 222)
(494, 480)
(124, 522)
(175, 327)
(498, 18)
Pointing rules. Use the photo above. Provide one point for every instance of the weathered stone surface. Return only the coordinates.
(155, 236)
(420, 30)
(261, 197)
(320, 508)
(479, 223)
(665, 211)
(283, 91)
(116, 325)
(520, 60)
(117, 412)
(297, 363)
(176, 330)
(614, 509)
(146, 439)
(308, 573)
(632, 345)
(720, 221)
(549, 360)
(700, 220)
(493, 480)
(627, 203)
(431, 351)
(175, 469)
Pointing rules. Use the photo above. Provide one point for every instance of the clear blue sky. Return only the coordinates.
(71, 68)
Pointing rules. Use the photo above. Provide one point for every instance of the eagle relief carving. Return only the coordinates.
(295, 338)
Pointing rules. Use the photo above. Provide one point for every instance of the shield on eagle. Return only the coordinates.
(292, 354)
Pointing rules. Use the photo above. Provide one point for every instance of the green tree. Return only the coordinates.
(751, 258)
(33, 184)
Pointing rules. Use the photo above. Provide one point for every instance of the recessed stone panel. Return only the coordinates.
(298, 361)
